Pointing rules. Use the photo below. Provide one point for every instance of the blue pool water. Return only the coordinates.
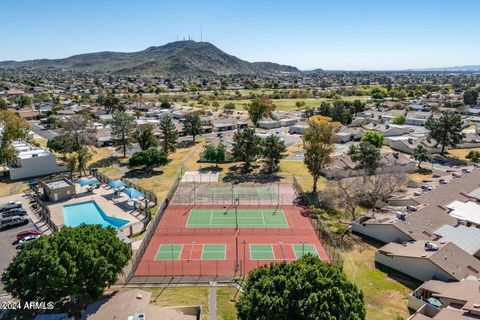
(89, 212)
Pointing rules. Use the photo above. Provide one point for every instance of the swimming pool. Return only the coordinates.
(89, 212)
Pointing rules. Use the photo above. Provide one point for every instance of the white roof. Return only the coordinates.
(468, 211)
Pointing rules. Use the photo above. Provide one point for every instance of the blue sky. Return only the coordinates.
(361, 34)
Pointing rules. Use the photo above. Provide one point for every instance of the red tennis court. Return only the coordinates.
(180, 248)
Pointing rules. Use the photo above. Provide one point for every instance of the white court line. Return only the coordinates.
(191, 251)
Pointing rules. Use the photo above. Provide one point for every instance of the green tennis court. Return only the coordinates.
(169, 252)
(247, 218)
(262, 193)
(301, 250)
(213, 252)
(261, 252)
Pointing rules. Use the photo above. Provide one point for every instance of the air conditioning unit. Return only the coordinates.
(429, 246)
(400, 215)
(139, 316)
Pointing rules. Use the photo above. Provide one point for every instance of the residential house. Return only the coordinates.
(428, 260)
(348, 134)
(297, 129)
(407, 144)
(388, 130)
(342, 166)
(268, 124)
(431, 213)
(446, 300)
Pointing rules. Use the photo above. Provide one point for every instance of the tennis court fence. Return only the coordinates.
(152, 226)
(232, 231)
(201, 268)
(228, 194)
(321, 230)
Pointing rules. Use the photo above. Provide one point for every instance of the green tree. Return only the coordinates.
(399, 119)
(192, 125)
(446, 130)
(80, 126)
(318, 146)
(150, 158)
(473, 155)
(84, 155)
(216, 154)
(374, 138)
(308, 112)
(63, 143)
(470, 97)
(246, 147)
(229, 107)
(71, 164)
(145, 136)
(164, 104)
(74, 263)
(110, 102)
(272, 152)
(259, 108)
(366, 155)
(25, 101)
(14, 128)
(122, 126)
(421, 154)
(170, 135)
(3, 104)
(300, 104)
(340, 111)
(358, 106)
(307, 289)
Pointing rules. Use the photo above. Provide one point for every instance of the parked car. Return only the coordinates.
(466, 170)
(27, 239)
(14, 212)
(456, 175)
(13, 221)
(443, 181)
(29, 232)
(10, 205)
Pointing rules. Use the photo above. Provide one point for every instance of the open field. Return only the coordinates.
(461, 153)
(385, 297)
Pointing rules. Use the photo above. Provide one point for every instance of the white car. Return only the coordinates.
(28, 239)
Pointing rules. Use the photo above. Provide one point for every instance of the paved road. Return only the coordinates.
(44, 133)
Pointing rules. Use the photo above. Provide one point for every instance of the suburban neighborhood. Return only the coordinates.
(179, 182)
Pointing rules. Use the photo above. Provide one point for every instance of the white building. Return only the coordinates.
(31, 161)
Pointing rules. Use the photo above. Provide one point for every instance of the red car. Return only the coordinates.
(26, 233)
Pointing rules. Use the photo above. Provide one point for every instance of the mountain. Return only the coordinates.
(472, 68)
(184, 58)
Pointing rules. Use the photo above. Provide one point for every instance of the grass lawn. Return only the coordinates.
(225, 304)
(181, 296)
(385, 298)
(9, 188)
(420, 177)
(461, 153)
(288, 168)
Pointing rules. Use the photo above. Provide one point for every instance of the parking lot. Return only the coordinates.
(8, 241)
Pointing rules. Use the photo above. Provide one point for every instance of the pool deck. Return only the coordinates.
(117, 208)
